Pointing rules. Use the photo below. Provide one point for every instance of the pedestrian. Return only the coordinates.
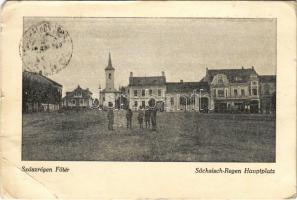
(129, 115)
(110, 117)
(153, 112)
(140, 117)
(147, 117)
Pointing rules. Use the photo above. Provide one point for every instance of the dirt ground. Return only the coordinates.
(194, 137)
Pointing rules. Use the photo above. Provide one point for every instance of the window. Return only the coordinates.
(143, 92)
(220, 93)
(81, 101)
(143, 104)
(214, 92)
(253, 76)
(73, 101)
(172, 101)
(254, 92)
(220, 79)
(135, 93)
(109, 75)
(238, 78)
(135, 103)
(242, 92)
(226, 91)
(235, 92)
(159, 92)
(150, 91)
(103, 98)
(78, 94)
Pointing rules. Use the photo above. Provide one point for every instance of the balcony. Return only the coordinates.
(236, 97)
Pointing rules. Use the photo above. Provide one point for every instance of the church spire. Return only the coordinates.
(109, 66)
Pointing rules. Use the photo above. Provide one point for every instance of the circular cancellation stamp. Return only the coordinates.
(46, 47)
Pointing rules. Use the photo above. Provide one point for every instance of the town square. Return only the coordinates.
(171, 104)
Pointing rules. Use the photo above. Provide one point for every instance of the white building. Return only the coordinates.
(234, 90)
(190, 96)
(143, 89)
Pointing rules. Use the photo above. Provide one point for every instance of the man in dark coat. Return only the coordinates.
(140, 117)
(147, 117)
(129, 115)
(153, 112)
(110, 117)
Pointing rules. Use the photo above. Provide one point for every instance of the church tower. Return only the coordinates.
(109, 76)
(109, 94)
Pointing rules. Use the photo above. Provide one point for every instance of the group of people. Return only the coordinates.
(145, 115)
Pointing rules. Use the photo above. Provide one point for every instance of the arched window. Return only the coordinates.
(109, 75)
(220, 79)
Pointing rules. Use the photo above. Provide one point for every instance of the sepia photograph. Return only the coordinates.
(149, 89)
(148, 100)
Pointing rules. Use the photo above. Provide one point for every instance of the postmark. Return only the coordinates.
(46, 47)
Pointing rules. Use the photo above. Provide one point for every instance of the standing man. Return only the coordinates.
(140, 117)
(154, 118)
(110, 117)
(129, 115)
(147, 117)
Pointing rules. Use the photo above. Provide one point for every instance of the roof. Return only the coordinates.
(147, 81)
(110, 91)
(40, 78)
(109, 65)
(267, 78)
(234, 75)
(186, 86)
(86, 93)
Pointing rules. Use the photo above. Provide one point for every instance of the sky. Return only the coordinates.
(182, 47)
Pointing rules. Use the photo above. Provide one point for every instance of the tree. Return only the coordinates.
(121, 100)
(96, 102)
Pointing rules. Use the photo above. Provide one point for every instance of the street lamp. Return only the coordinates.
(193, 101)
(194, 93)
(200, 99)
(121, 101)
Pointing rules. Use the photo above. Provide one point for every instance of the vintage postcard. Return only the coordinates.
(148, 100)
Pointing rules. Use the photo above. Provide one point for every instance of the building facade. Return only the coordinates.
(187, 96)
(234, 90)
(268, 94)
(109, 95)
(78, 98)
(141, 90)
(40, 93)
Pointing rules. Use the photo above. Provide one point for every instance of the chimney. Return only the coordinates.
(181, 80)
(131, 74)
(40, 72)
(163, 73)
